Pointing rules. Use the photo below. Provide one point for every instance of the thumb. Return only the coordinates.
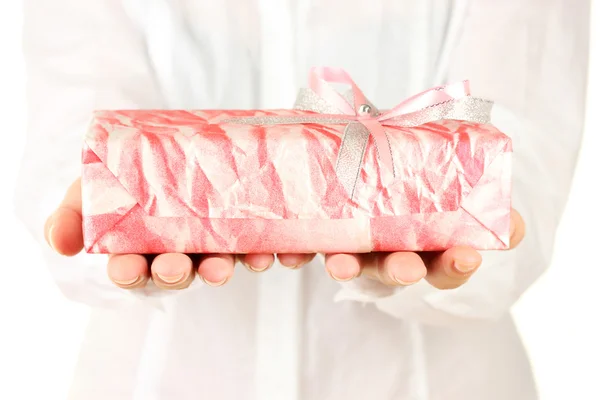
(63, 230)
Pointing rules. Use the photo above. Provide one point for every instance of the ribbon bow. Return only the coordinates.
(363, 120)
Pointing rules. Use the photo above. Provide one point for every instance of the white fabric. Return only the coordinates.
(298, 334)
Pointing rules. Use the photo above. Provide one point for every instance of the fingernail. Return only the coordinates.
(464, 267)
(403, 282)
(50, 235)
(215, 284)
(127, 283)
(259, 269)
(409, 277)
(340, 279)
(404, 270)
(171, 279)
(300, 262)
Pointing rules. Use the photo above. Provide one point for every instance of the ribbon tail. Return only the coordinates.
(382, 143)
(351, 155)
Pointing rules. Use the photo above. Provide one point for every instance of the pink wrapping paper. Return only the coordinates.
(156, 181)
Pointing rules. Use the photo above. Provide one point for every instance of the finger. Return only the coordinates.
(453, 268)
(342, 267)
(217, 269)
(128, 271)
(394, 269)
(172, 271)
(63, 228)
(257, 262)
(517, 228)
(294, 261)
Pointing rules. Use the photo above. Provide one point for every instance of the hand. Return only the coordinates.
(443, 270)
(63, 232)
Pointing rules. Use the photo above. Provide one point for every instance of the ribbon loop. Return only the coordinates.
(318, 81)
(428, 98)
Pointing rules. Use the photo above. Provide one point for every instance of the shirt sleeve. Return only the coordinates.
(532, 61)
(80, 56)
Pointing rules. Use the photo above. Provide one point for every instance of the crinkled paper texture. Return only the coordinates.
(180, 181)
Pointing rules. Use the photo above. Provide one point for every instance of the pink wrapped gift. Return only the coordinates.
(332, 175)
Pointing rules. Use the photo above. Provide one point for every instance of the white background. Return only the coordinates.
(40, 331)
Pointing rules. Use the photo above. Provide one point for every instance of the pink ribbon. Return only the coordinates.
(320, 79)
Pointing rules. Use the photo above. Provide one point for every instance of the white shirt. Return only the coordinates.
(298, 334)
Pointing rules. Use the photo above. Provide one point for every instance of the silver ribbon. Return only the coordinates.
(356, 136)
(352, 152)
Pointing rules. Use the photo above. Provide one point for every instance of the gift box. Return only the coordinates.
(334, 174)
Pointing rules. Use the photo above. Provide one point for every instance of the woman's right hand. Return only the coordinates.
(63, 232)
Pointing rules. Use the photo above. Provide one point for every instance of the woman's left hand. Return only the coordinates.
(444, 270)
